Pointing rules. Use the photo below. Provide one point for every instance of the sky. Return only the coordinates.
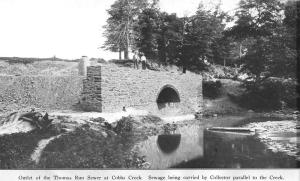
(68, 28)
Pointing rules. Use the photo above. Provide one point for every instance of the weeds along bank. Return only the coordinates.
(99, 144)
(24, 66)
(95, 144)
(47, 92)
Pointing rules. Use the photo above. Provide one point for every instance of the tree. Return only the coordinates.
(203, 33)
(146, 27)
(183, 41)
(119, 29)
(169, 36)
(159, 35)
(256, 18)
(284, 43)
(224, 51)
(271, 51)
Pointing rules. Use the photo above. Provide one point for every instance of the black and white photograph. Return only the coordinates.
(149, 84)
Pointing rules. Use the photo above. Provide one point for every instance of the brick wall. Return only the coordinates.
(109, 87)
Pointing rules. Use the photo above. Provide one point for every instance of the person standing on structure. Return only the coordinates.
(144, 61)
(136, 60)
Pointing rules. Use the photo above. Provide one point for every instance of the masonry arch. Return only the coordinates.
(110, 87)
(167, 95)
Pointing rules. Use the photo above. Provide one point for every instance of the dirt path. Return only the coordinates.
(36, 155)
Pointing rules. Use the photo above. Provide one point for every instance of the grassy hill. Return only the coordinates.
(37, 66)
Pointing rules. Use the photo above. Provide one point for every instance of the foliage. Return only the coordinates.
(186, 41)
(100, 147)
(124, 125)
(262, 41)
(87, 148)
(267, 30)
(119, 28)
(159, 35)
(146, 29)
(212, 89)
(15, 149)
(205, 32)
(271, 48)
(130, 126)
(256, 18)
(272, 93)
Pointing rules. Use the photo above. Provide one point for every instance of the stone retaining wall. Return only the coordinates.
(110, 87)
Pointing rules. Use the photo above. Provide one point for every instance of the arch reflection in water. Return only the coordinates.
(168, 143)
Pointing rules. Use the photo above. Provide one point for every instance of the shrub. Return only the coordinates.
(15, 149)
(269, 95)
(87, 148)
(289, 96)
(124, 125)
(212, 89)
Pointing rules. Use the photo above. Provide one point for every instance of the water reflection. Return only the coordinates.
(232, 150)
(196, 147)
(167, 150)
(168, 143)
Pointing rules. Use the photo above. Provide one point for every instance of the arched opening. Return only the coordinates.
(168, 97)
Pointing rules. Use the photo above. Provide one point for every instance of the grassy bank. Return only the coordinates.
(238, 119)
(103, 145)
(216, 99)
(91, 145)
(227, 96)
(15, 149)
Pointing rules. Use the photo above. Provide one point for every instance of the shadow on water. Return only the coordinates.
(195, 147)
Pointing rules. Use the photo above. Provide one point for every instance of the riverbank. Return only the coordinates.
(279, 136)
(99, 144)
(218, 149)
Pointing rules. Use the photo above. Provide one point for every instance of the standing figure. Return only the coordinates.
(136, 60)
(144, 61)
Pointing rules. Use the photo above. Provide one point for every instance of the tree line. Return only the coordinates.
(262, 39)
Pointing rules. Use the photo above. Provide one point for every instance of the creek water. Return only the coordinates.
(193, 146)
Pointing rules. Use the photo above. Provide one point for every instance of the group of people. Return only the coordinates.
(137, 58)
